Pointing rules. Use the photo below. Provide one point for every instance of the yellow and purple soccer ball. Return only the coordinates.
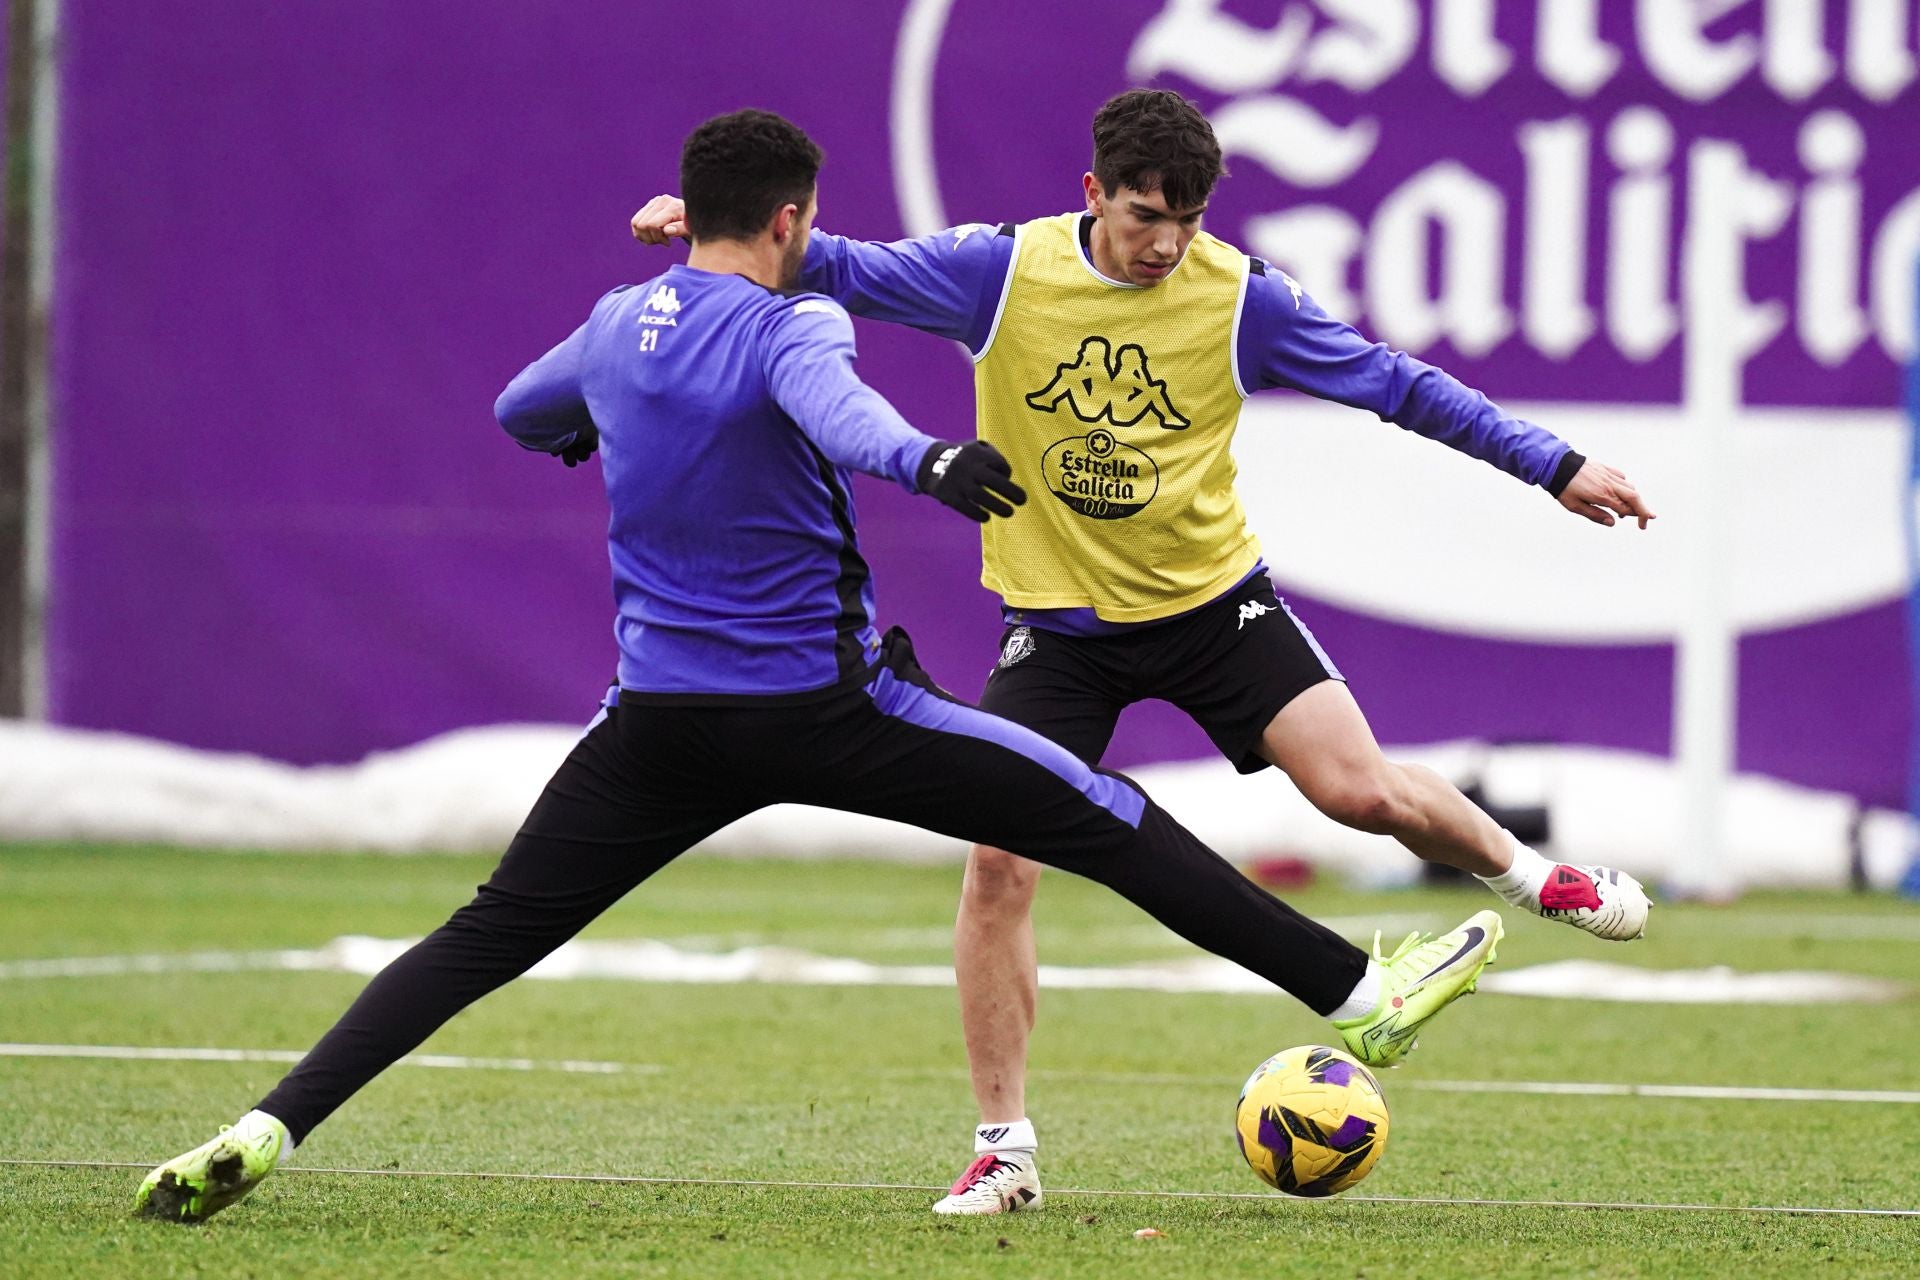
(1311, 1121)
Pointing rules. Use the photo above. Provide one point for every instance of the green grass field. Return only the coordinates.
(767, 1092)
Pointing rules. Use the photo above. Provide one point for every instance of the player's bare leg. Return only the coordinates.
(1323, 742)
(997, 972)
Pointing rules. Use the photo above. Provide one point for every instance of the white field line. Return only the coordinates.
(1575, 1088)
(186, 962)
(1148, 934)
(329, 958)
(1833, 928)
(442, 1060)
(652, 960)
(1268, 1196)
(1715, 1091)
(1890, 927)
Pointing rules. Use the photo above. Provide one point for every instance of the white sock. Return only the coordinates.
(254, 1123)
(1005, 1135)
(1520, 884)
(1363, 1000)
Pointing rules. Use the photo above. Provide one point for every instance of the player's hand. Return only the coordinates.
(972, 478)
(582, 447)
(660, 220)
(1600, 493)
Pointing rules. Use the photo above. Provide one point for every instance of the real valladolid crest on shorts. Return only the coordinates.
(1019, 645)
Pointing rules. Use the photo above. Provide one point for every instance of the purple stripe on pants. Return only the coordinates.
(895, 697)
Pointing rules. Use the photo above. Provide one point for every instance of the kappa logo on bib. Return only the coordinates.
(1103, 385)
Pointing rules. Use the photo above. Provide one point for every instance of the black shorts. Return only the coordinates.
(1231, 664)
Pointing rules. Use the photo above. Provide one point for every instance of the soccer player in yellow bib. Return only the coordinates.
(1112, 349)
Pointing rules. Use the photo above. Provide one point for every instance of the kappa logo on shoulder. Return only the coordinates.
(815, 307)
(1103, 385)
(664, 300)
(1249, 611)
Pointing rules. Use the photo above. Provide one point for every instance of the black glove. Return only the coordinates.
(972, 478)
(582, 447)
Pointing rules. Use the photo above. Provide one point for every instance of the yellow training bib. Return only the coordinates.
(1116, 406)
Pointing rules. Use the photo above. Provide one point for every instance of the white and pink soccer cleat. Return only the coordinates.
(997, 1182)
(1606, 903)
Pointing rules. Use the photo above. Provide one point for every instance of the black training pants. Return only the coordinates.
(652, 780)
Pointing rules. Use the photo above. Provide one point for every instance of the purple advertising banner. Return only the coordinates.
(302, 249)
(1503, 188)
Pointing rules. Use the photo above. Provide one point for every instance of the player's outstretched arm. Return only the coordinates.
(1601, 493)
(809, 367)
(1286, 340)
(948, 284)
(544, 409)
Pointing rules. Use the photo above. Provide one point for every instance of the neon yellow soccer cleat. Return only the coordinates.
(1423, 976)
(197, 1185)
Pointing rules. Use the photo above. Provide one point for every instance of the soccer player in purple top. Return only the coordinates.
(1113, 347)
(728, 417)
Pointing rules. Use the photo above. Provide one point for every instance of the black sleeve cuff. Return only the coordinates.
(1570, 464)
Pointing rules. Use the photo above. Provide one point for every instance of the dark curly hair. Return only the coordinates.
(1148, 138)
(737, 170)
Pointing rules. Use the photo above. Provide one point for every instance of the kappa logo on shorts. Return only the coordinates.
(1019, 645)
(1249, 610)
